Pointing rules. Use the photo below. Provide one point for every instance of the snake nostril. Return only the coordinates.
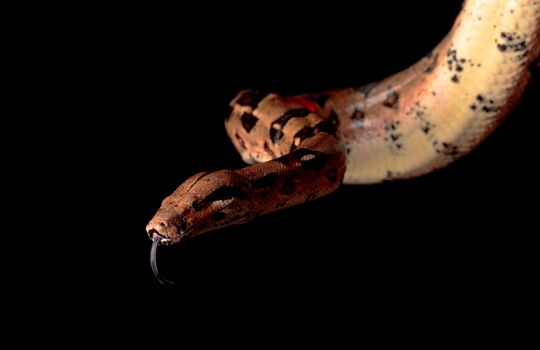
(162, 224)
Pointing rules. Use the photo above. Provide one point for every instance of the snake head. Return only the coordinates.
(204, 202)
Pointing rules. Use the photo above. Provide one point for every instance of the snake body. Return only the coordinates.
(303, 147)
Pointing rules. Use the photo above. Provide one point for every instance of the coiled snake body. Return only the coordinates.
(416, 121)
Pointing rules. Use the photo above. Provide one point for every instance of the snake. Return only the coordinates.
(300, 148)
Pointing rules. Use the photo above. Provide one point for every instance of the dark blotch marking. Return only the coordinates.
(197, 206)
(326, 126)
(267, 180)
(287, 188)
(251, 98)
(275, 135)
(292, 113)
(320, 100)
(473, 107)
(218, 216)
(502, 47)
(304, 133)
(392, 100)
(332, 175)
(249, 121)
(333, 118)
(455, 78)
(276, 129)
(224, 193)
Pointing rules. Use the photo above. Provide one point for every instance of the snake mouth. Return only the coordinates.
(153, 234)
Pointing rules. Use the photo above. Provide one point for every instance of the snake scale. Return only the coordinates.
(303, 147)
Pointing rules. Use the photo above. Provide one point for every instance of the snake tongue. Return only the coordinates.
(153, 261)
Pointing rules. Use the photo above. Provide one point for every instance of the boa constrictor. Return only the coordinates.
(409, 124)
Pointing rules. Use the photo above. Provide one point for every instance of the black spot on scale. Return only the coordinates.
(248, 121)
(447, 148)
(224, 193)
(267, 180)
(432, 64)
(455, 78)
(251, 98)
(218, 216)
(512, 42)
(485, 105)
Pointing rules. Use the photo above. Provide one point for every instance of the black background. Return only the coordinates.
(159, 82)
